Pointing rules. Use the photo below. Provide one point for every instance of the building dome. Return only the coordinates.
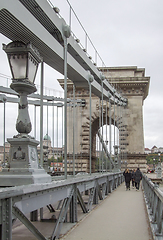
(46, 137)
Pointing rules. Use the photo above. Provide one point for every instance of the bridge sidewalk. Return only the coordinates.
(121, 215)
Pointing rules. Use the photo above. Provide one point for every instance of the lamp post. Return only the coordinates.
(23, 160)
(159, 168)
(154, 164)
(116, 157)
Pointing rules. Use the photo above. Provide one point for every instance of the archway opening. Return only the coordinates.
(106, 138)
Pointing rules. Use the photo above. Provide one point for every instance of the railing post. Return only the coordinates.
(73, 206)
(159, 218)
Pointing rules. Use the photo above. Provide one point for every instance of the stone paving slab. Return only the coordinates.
(121, 215)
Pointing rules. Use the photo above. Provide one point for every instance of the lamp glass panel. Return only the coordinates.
(32, 67)
(18, 65)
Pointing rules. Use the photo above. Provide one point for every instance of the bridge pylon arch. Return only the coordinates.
(82, 127)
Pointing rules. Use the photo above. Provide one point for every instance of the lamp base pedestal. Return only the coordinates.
(23, 166)
(17, 177)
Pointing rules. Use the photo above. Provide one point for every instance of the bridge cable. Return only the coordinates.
(114, 121)
(74, 129)
(110, 130)
(70, 125)
(47, 130)
(120, 132)
(90, 128)
(81, 137)
(100, 131)
(4, 128)
(57, 141)
(53, 132)
(35, 121)
(102, 123)
(41, 113)
(62, 136)
(77, 139)
(106, 166)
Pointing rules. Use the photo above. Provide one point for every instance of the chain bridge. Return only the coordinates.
(97, 100)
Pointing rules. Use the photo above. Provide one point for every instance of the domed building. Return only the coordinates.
(48, 150)
(47, 141)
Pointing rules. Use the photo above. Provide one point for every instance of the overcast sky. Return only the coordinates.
(125, 33)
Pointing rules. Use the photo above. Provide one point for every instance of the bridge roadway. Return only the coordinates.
(121, 215)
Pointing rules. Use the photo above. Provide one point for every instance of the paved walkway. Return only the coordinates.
(121, 216)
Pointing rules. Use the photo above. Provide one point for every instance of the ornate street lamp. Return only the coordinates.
(159, 167)
(23, 60)
(154, 164)
(23, 160)
(116, 157)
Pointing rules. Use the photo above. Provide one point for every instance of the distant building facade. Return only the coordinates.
(7, 149)
(48, 150)
(154, 149)
(147, 151)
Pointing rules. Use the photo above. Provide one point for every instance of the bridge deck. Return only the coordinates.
(121, 215)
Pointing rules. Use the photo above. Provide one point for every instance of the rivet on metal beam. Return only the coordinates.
(102, 76)
(56, 9)
(90, 77)
(109, 95)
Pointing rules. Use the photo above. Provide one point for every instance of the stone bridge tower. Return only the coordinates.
(133, 85)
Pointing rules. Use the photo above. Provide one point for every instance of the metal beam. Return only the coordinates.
(6, 219)
(62, 215)
(46, 33)
(26, 199)
(33, 95)
(81, 202)
(91, 196)
(16, 211)
(31, 102)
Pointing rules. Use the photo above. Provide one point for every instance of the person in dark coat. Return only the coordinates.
(133, 178)
(127, 176)
(138, 178)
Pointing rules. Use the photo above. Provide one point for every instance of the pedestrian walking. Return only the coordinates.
(127, 176)
(133, 177)
(138, 178)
